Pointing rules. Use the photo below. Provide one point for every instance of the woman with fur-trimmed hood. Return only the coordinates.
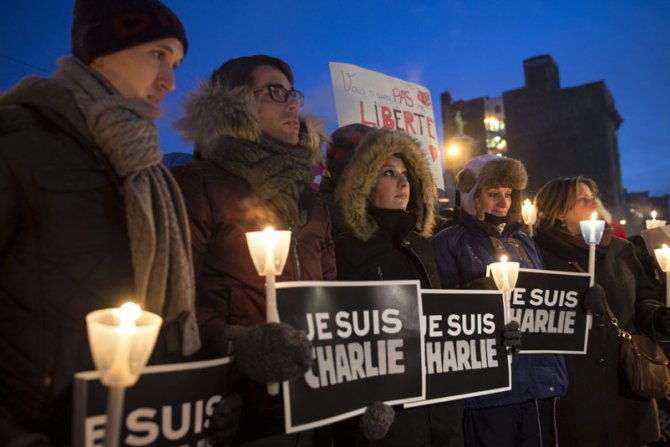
(385, 196)
(488, 226)
(253, 169)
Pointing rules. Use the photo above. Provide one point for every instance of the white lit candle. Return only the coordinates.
(269, 250)
(529, 214)
(121, 342)
(271, 314)
(127, 315)
(592, 228)
(663, 258)
(592, 232)
(505, 275)
(654, 223)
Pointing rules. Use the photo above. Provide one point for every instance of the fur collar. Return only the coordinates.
(214, 111)
(360, 176)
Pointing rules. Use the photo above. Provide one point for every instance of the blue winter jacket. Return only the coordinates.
(462, 253)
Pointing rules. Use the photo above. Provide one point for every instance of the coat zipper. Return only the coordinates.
(296, 257)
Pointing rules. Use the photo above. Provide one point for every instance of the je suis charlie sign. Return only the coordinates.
(464, 352)
(367, 346)
(548, 307)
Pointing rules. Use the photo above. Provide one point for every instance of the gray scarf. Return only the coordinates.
(276, 172)
(124, 130)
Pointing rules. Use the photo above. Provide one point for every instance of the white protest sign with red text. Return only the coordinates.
(377, 100)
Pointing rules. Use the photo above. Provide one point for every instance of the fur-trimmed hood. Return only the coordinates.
(491, 171)
(358, 179)
(214, 111)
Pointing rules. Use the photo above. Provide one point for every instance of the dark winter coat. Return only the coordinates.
(385, 244)
(222, 207)
(64, 252)
(462, 253)
(596, 410)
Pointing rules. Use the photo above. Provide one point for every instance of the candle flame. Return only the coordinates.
(594, 215)
(527, 202)
(128, 314)
(653, 215)
(664, 246)
(503, 258)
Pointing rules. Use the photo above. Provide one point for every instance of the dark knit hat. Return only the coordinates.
(342, 146)
(101, 27)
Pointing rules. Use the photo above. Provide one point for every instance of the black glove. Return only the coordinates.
(484, 283)
(225, 420)
(594, 300)
(377, 420)
(14, 435)
(662, 320)
(271, 352)
(512, 337)
(29, 440)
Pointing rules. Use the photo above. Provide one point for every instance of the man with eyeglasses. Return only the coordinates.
(252, 169)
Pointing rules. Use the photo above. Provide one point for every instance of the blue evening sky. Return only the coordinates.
(470, 48)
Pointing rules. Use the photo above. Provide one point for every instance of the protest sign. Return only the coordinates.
(655, 237)
(547, 305)
(169, 406)
(377, 100)
(464, 352)
(367, 347)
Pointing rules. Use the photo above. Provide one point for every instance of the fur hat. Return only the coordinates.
(359, 178)
(101, 27)
(341, 147)
(491, 171)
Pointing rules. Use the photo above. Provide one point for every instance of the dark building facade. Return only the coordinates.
(554, 131)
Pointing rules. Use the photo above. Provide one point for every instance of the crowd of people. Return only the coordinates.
(91, 216)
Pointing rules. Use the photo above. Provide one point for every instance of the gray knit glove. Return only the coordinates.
(377, 420)
(271, 352)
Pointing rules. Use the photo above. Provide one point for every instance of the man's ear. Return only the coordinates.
(97, 63)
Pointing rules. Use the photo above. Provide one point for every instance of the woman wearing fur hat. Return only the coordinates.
(488, 227)
(385, 196)
(597, 409)
(252, 169)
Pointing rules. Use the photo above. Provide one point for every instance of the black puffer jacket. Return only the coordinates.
(64, 252)
(597, 409)
(393, 252)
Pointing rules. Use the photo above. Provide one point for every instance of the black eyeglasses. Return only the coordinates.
(279, 94)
